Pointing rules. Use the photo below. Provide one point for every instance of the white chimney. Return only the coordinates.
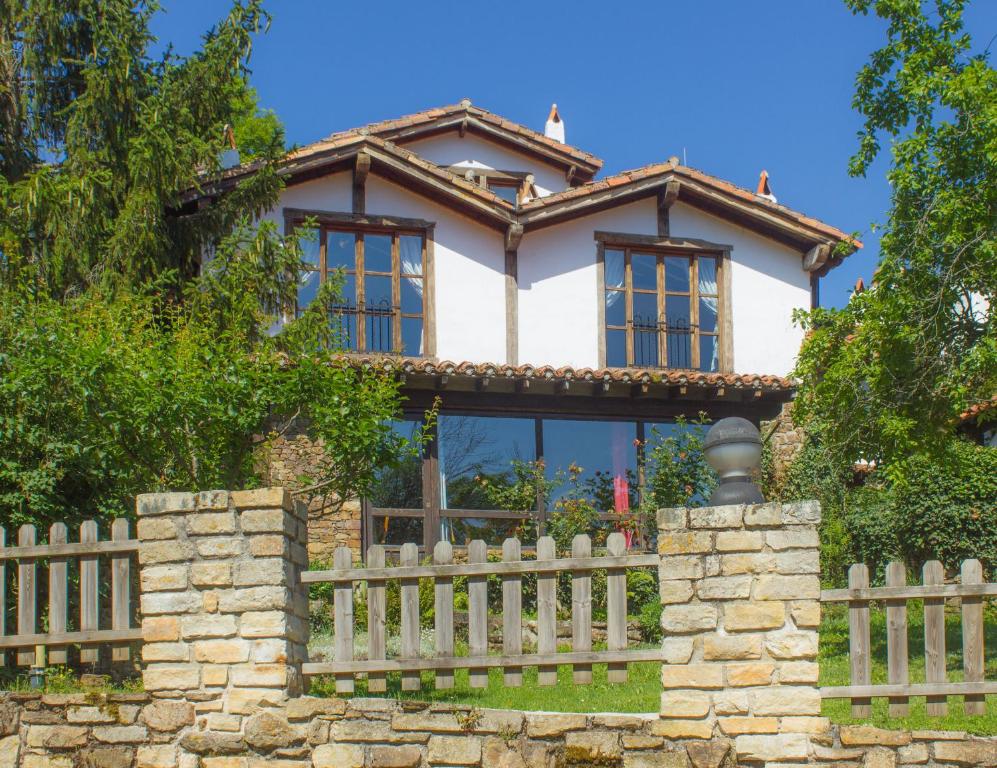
(764, 191)
(554, 129)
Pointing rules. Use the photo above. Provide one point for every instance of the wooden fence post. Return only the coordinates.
(512, 612)
(89, 611)
(477, 613)
(120, 589)
(409, 555)
(443, 609)
(896, 638)
(26, 595)
(546, 611)
(616, 607)
(581, 609)
(972, 638)
(934, 639)
(58, 593)
(3, 594)
(343, 600)
(858, 639)
(377, 608)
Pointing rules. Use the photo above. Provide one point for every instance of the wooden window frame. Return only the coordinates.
(395, 227)
(663, 247)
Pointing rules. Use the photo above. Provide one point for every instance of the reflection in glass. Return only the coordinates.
(397, 530)
(708, 315)
(677, 274)
(340, 250)
(615, 274)
(377, 253)
(400, 486)
(308, 240)
(707, 266)
(616, 349)
(507, 192)
(645, 270)
(616, 308)
(412, 336)
(708, 353)
(412, 295)
(308, 284)
(605, 454)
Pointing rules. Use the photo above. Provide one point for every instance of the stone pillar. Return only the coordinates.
(740, 586)
(224, 617)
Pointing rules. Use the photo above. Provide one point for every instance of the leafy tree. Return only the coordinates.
(886, 376)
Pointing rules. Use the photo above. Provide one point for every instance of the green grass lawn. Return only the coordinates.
(642, 692)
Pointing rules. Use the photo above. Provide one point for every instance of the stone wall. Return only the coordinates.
(292, 462)
(141, 731)
(784, 440)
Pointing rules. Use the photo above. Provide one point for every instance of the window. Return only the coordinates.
(662, 309)
(506, 189)
(382, 303)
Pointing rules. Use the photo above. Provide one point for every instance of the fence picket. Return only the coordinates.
(972, 638)
(120, 589)
(616, 608)
(409, 555)
(934, 639)
(89, 575)
(858, 640)
(512, 610)
(27, 612)
(581, 609)
(376, 616)
(477, 613)
(546, 611)
(443, 609)
(343, 614)
(58, 593)
(3, 594)
(896, 639)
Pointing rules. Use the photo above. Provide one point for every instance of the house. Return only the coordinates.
(557, 314)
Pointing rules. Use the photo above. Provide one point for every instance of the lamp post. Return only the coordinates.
(733, 448)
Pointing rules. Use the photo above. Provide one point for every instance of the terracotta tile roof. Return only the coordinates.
(680, 171)
(677, 377)
(427, 116)
(978, 409)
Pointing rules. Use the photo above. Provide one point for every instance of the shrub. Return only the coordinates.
(649, 619)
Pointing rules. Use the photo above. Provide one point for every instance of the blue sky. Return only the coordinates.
(735, 87)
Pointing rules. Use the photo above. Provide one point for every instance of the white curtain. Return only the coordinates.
(614, 278)
(708, 284)
(410, 254)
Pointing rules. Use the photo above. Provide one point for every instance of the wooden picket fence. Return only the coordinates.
(511, 569)
(971, 591)
(27, 557)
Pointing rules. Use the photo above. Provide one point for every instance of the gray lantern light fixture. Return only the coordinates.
(733, 448)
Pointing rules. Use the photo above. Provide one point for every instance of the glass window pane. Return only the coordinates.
(400, 486)
(346, 295)
(645, 270)
(707, 266)
(410, 254)
(397, 530)
(615, 274)
(708, 314)
(412, 295)
(308, 284)
(379, 329)
(646, 346)
(708, 353)
(344, 324)
(340, 250)
(616, 308)
(477, 456)
(509, 193)
(677, 274)
(616, 349)
(308, 240)
(462, 531)
(597, 461)
(377, 253)
(645, 308)
(412, 336)
(377, 293)
(677, 312)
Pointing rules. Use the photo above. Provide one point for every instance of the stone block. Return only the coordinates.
(592, 747)
(785, 700)
(156, 529)
(211, 574)
(805, 613)
(793, 538)
(57, 736)
(818, 727)
(455, 750)
(309, 707)
(730, 702)
(682, 729)
(211, 523)
(743, 675)
(736, 726)
(681, 567)
(685, 543)
(682, 619)
(678, 591)
(692, 676)
(168, 716)
(805, 672)
(165, 652)
(772, 748)
(256, 624)
(254, 599)
(213, 743)
(546, 726)
(268, 546)
(754, 616)
(233, 651)
(167, 677)
(728, 647)
(272, 651)
(156, 552)
(160, 629)
(643, 740)
(677, 650)
(10, 749)
(261, 676)
(148, 504)
(801, 513)
(880, 757)
(120, 734)
(156, 756)
(268, 521)
(868, 736)
(338, 756)
(791, 645)
(395, 757)
(91, 715)
(685, 704)
(729, 516)
(724, 588)
(797, 562)
(227, 546)
(267, 731)
(739, 541)
(159, 603)
(202, 626)
(741, 563)
(261, 571)
(913, 754)
(673, 519)
(262, 497)
(767, 515)
(244, 701)
(214, 676)
(211, 500)
(105, 757)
